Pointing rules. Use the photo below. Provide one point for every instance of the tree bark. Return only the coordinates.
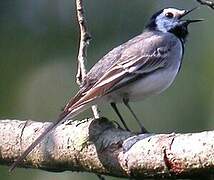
(98, 146)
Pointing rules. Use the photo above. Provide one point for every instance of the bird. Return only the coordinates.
(144, 66)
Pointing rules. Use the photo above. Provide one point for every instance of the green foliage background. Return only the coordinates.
(38, 48)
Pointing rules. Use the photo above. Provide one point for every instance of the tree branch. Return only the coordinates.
(98, 146)
(85, 38)
(206, 3)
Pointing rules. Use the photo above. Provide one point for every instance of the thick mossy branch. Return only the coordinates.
(98, 146)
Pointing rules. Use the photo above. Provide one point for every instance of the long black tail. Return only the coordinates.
(49, 129)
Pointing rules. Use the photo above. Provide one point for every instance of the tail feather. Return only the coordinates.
(36, 142)
(62, 118)
(76, 105)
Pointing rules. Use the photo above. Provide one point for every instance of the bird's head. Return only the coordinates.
(171, 20)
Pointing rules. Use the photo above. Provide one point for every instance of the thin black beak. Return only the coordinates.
(190, 21)
(187, 12)
(193, 21)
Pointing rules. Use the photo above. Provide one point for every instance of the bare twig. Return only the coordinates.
(95, 111)
(96, 146)
(85, 37)
(83, 42)
(206, 3)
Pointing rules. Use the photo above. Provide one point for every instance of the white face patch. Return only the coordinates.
(174, 11)
(168, 19)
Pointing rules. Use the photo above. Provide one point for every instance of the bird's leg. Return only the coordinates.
(100, 177)
(113, 105)
(126, 102)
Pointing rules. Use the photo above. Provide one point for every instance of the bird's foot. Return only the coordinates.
(144, 130)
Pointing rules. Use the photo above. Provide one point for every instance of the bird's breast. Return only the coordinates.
(152, 84)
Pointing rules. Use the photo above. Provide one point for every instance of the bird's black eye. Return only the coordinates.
(169, 15)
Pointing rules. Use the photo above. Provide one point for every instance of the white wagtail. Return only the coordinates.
(144, 66)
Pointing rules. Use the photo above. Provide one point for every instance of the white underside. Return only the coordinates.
(152, 84)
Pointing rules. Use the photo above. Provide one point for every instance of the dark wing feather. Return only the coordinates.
(122, 73)
(150, 65)
(141, 55)
(101, 67)
(110, 59)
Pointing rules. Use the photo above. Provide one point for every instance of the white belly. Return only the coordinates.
(151, 85)
(147, 86)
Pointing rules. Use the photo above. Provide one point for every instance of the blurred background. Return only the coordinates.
(38, 49)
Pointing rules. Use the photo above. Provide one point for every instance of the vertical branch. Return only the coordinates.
(85, 38)
(83, 42)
